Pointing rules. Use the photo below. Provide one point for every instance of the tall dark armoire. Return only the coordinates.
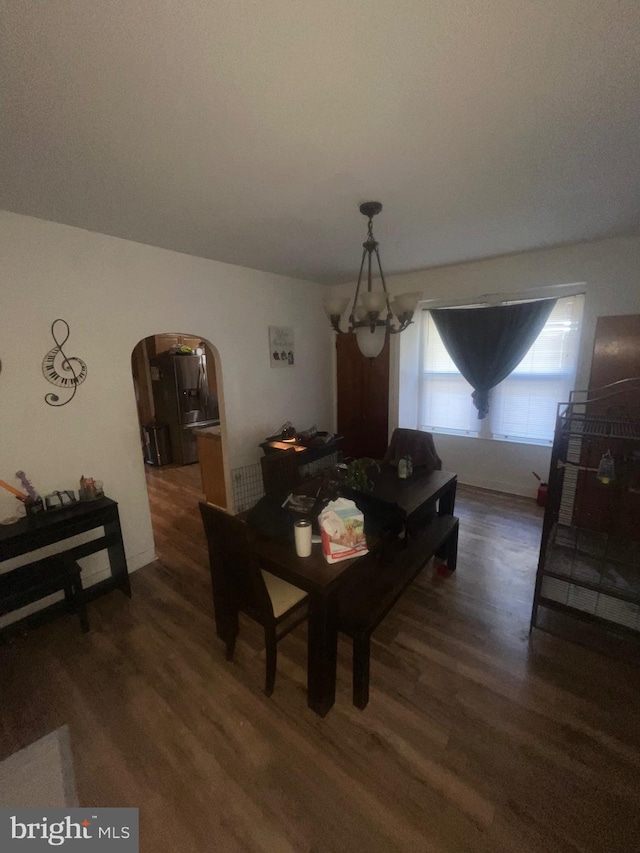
(363, 399)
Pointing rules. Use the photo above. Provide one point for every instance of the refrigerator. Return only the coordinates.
(183, 401)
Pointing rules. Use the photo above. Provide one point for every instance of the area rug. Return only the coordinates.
(40, 774)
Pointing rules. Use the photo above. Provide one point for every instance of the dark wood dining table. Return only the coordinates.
(416, 495)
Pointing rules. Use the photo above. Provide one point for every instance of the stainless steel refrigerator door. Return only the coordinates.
(163, 383)
(181, 397)
(191, 384)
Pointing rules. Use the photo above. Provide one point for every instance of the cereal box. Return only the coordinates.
(342, 531)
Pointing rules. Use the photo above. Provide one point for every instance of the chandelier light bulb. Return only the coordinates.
(335, 305)
(371, 343)
(374, 302)
(359, 312)
(408, 302)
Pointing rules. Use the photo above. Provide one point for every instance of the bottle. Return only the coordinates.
(302, 534)
(606, 469)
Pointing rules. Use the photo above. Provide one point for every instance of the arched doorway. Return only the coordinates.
(179, 400)
(176, 389)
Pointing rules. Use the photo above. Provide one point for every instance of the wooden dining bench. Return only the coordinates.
(365, 602)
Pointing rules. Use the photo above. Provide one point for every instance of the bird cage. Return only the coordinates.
(589, 566)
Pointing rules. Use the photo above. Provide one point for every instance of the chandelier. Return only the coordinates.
(372, 314)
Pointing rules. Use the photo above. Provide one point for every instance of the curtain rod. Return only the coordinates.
(545, 292)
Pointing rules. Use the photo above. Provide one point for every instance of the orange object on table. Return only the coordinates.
(20, 495)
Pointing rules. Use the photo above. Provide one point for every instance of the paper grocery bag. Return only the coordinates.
(342, 530)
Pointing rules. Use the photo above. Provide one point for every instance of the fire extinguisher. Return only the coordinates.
(541, 498)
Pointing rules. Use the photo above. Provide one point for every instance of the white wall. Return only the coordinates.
(609, 272)
(112, 293)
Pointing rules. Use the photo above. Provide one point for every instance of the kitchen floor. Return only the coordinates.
(174, 492)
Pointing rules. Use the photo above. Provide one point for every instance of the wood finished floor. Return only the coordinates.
(476, 738)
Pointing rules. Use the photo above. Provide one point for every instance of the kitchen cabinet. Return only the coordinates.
(166, 341)
(211, 466)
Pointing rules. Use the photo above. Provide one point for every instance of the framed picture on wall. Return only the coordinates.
(281, 349)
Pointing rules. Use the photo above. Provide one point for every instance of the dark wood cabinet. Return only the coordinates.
(363, 399)
(616, 351)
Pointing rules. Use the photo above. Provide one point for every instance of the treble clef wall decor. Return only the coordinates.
(56, 364)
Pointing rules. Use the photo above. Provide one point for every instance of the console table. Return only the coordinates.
(306, 452)
(46, 528)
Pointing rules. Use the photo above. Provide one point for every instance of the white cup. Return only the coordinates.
(302, 532)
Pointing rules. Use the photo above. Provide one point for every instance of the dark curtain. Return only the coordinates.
(487, 344)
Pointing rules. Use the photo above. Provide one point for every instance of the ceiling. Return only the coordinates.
(250, 131)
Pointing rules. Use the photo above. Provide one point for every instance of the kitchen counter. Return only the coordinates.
(211, 430)
(211, 465)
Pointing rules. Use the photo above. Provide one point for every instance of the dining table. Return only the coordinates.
(422, 493)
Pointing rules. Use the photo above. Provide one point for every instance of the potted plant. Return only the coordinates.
(357, 474)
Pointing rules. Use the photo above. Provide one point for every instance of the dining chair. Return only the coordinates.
(417, 444)
(240, 585)
(280, 472)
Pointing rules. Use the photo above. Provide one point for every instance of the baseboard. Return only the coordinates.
(499, 486)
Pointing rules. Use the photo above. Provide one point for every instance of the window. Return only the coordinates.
(523, 406)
